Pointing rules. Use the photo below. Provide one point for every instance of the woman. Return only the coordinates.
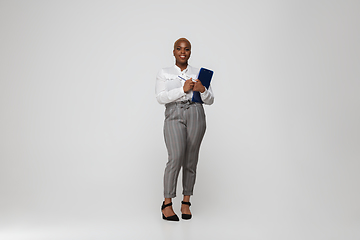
(184, 126)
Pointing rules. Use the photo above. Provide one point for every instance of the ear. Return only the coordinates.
(174, 52)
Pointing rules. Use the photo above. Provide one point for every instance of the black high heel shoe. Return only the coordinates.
(170, 218)
(186, 216)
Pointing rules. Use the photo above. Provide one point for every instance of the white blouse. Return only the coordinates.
(170, 82)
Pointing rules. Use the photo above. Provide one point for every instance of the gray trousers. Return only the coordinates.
(184, 129)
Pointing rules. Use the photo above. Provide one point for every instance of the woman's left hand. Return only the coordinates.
(198, 86)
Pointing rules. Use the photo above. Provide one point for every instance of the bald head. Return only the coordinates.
(182, 40)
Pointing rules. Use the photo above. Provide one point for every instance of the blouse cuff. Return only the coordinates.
(204, 94)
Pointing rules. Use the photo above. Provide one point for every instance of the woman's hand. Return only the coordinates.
(188, 85)
(198, 86)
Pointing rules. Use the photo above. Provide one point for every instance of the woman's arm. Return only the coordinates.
(162, 95)
(207, 96)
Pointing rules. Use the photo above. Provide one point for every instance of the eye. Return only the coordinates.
(178, 48)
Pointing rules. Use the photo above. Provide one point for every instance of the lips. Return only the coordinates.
(182, 56)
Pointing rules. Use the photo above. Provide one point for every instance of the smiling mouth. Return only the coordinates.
(182, 56)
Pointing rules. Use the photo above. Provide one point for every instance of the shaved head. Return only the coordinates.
(182, 40)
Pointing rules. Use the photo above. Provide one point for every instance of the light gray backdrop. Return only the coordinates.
(81, 131)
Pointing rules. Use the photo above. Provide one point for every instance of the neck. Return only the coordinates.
(182, 66)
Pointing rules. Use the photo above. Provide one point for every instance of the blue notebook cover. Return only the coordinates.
(204, 76)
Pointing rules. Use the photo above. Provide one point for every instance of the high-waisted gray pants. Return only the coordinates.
(184, 129)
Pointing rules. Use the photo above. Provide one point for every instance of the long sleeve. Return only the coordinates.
(164, 96)
(207, 96)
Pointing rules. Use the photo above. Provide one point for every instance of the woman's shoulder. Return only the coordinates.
(167, 73)
(166, 69)
(175, 70)
(193, 69)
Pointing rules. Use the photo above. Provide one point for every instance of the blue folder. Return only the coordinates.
(204, 76)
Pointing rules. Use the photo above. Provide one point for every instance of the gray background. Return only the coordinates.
(81, 145)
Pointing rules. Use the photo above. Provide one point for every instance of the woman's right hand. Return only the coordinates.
(188, 85)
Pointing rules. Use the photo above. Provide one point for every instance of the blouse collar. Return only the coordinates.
(184, 71)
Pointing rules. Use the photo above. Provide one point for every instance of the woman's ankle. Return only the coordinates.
(186, 198)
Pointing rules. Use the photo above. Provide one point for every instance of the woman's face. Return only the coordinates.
(182, 52)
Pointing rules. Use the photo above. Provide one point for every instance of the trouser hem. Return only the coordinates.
(169, 196)
(187, 193)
